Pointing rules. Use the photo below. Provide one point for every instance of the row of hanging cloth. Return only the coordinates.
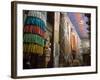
(34, 30)
(33, 38)
(33, 48)
(30, 20)
(40, 14)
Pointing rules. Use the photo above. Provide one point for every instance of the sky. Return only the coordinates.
(79, 21)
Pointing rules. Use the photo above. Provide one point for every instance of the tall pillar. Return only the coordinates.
(56, 38)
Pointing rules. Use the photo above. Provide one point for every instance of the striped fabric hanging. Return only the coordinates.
(34, 32)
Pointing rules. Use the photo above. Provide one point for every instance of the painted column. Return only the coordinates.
(56, 39)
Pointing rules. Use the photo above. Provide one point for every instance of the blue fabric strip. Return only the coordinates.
(30, 20)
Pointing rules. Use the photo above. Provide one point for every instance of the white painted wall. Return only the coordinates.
(5, 40)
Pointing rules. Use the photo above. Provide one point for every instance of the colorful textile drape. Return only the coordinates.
(33, 37)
